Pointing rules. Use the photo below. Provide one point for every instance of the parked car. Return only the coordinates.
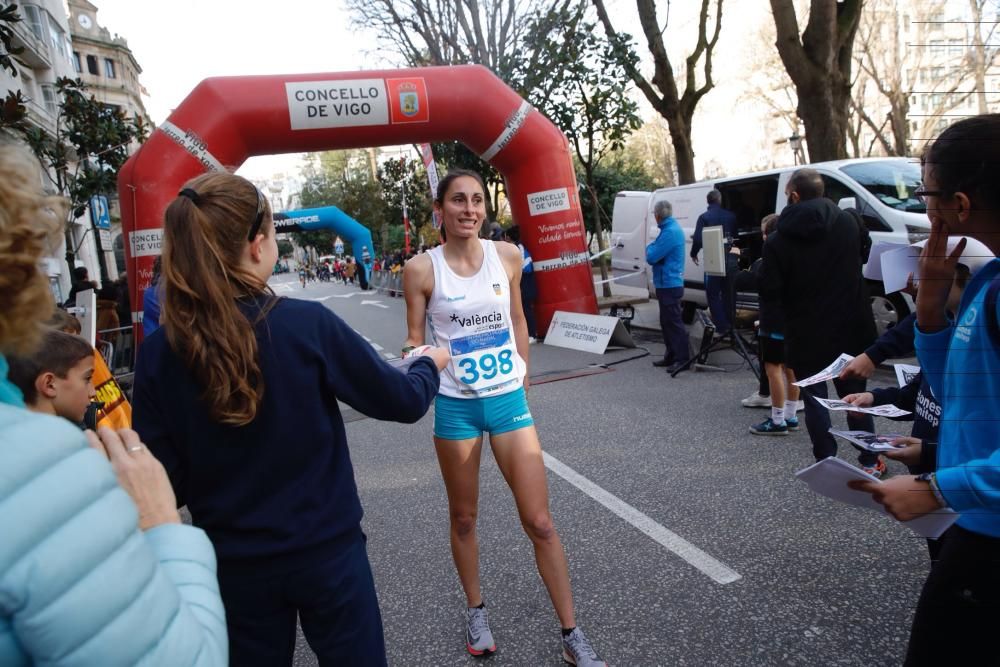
(881, 189)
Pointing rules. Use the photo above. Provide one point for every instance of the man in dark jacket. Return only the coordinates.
(716, 287)
(812, 268)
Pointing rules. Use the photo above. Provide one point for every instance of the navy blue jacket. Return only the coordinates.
(713, 217)
(284, 483)
(895, 342)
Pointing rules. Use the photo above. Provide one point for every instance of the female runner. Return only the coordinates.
(468, 291)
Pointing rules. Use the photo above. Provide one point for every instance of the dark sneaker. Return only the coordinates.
(877, 470)
(578, 651)
(792, 424)
(662, 363)
(768, 427)
(478, 638)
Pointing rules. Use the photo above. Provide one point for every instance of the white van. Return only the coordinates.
(882, 189)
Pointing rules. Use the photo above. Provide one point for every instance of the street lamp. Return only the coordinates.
(795, 141)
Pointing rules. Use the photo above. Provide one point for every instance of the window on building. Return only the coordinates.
(936, 47)
(56, 36)
(49, 97)
(92, 65)
(109, 68)
(34, 18)
(77, 65)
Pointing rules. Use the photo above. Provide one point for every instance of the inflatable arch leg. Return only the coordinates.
(332, 218)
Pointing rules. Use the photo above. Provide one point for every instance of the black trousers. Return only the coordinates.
(959, 609)
(818, 420)
(675, 336)
(334, 600)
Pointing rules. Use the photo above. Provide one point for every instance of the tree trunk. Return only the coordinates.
(601, 246)
(819, 63)
(680, 137)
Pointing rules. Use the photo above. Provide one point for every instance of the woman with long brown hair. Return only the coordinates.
(237, 394)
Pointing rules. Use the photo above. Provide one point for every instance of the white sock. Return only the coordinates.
(777, 416)
(790, 409)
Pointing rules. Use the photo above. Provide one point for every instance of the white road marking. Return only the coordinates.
(374, 303)
(715, 569)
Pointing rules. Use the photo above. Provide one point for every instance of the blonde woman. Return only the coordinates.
(90, 576)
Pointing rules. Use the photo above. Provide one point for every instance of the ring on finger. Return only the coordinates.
(136, 448)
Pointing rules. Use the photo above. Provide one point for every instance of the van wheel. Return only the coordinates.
(687, 311)
(888, 310)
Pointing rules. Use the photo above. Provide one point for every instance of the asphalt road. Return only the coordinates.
(779, 576)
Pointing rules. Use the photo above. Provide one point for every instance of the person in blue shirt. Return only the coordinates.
(666, 256)
(151, 303)
(716, 287)
(237, 394)
(959, 606)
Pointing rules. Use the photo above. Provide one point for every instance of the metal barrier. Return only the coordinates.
(387, 282)
(117, 346)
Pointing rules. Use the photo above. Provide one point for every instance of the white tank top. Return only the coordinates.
(470, 317)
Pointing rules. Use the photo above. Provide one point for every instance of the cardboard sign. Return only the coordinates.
(117, 412)
(587, 333)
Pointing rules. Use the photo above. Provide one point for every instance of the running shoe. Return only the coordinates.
(768, 427)
(578, 651)
(792, 423)
(478, 638)
(877, 470)
(755, 400)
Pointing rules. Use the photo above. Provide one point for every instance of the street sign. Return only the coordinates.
(587, 333)
(105, 239)
(99, 212)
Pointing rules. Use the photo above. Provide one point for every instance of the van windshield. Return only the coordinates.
(894, 182)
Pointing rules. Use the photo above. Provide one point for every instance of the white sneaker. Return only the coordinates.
(755, 400)
(478, 638)
(578, 651)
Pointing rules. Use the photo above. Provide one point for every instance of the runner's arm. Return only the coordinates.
(418, 283)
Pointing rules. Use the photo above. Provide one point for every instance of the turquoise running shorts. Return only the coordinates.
(464, 418)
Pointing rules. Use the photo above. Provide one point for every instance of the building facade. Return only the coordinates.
(104, 62)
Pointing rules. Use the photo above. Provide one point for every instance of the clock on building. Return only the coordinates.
(85, 21)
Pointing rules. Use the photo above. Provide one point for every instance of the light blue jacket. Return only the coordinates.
(666, 255)
(962, 365)
(80, 584)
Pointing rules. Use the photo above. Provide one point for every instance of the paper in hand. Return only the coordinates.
(830, 476)
(878, 411)
(870, 441)
(905, 373)
(830, 372)
(897, 265)
(873, 269)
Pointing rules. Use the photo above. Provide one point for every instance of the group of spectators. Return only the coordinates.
(814, 306)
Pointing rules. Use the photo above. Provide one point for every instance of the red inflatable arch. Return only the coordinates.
(228, 119)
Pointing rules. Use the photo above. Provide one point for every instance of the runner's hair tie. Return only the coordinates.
(190, 194)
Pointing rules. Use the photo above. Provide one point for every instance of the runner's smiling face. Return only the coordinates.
(463, 208)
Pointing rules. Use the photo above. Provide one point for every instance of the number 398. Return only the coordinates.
(486, 367)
